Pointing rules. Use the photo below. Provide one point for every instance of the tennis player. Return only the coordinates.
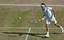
(49, 17)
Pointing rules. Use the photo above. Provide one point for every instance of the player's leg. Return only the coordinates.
(47, 30)
(62, 30)
(56, 24)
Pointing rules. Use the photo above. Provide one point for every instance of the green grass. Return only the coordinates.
(9, 21)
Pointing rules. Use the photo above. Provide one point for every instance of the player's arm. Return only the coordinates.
(43, 17)
(53, 11)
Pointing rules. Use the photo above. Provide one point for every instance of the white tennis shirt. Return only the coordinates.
(48, 13)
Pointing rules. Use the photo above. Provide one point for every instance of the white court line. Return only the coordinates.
(28, 5)
(27, 34)
(26, 28)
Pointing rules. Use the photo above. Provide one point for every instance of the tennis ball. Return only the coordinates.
(19, 17)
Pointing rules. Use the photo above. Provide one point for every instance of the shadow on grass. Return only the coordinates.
(31, 34)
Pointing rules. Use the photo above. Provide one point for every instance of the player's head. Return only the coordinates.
(43, 5)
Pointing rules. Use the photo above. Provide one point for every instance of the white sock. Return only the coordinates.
(61, 27)
(47, 33)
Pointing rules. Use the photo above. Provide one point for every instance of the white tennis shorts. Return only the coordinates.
(51, 20)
